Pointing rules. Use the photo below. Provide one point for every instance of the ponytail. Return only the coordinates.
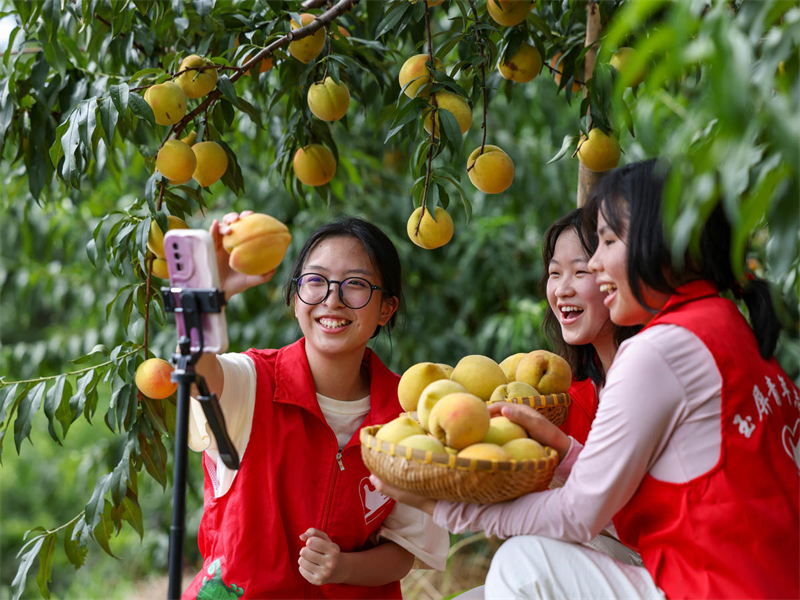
(766, 326)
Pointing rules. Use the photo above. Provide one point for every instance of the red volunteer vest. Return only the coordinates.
(292, 478)
(733, 532)
(582, 410)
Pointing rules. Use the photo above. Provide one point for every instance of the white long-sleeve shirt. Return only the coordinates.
(659, 413)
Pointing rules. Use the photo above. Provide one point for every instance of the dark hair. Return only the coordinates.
(583, 359)
(630, 199)
(379, 247)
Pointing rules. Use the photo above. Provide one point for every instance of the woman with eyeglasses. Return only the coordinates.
(300, 518)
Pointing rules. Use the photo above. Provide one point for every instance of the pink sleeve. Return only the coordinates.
(639, 409)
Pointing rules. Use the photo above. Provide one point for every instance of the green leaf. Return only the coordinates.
(25, 563)
(226, 87)
(119, 96)
(108, 119)
(77, 401)
(141, 109)
(7, 396)
(395, 13)
(449, 125)
(96, 505)
(46, 564)
(28, 407)
(74, 547)
(51, 15)
(567, 144)
(53, 400)
(104, 529)
(133, 513)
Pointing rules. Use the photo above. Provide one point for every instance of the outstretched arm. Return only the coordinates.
(232, 283)
(322, 562)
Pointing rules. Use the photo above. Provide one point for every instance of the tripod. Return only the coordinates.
(191, 303)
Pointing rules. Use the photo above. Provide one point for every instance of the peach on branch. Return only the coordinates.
(308, 48)
(256, 243)
(547, 372)
(623, 61)
(459, 420)
(523, 65)
(328, 100)
(153, 379)
(432, 234)
(196, 83)
(176, 162)
(314, 165)
(491, 172)
(600, 152)
(414, 380)
(212, 162)
(508, 12)
(452, 103)
(479, 374)
(160, 269)
(415, 70)
(155, 240)
(168, 102)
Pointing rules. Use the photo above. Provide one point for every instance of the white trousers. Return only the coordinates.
(532, 566)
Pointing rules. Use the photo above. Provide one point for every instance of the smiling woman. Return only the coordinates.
(302, 496)
(688, 452)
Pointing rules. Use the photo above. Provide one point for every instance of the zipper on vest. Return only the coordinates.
(339, 460)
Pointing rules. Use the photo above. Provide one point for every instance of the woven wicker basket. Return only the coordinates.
(447, 477)
(554, 406)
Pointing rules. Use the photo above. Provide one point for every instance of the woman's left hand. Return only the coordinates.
(320, 560)
(421, 502)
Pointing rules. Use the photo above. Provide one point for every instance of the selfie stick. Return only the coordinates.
(191, 303)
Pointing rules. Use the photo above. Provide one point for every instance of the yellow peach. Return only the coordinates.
(414, 380)
(308, 48)
(415, 70)
(479, 374)
(256, 243)
(314, 165)
(153, 379)
(547, 372)
(459, 420)
(491, 172)
(431, 234)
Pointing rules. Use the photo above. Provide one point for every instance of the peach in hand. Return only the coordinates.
(256, 243)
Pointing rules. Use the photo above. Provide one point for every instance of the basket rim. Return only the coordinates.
(561, 399)
(373, 444)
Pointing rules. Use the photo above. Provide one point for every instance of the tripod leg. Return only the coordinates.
(177, 529)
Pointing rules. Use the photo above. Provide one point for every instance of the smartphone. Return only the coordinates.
(192, 263)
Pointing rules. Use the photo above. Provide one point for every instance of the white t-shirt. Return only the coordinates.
(406, 526)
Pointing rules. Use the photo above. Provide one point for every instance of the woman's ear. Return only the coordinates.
(388, 308)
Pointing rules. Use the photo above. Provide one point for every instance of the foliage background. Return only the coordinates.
(721, 101)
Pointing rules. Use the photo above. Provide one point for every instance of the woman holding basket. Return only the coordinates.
(693, 452)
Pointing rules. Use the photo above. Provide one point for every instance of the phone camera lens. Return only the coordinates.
(177, 256)
(179, 266)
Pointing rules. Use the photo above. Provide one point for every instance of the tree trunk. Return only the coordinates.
(586, 178)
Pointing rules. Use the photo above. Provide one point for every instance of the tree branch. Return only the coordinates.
(434, 109)
(483, 80)
(321, 21)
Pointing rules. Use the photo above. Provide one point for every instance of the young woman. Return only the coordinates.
(692, 450)
(300, 518)
(578, 323)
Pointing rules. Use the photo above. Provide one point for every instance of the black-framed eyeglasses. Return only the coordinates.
(354, 292)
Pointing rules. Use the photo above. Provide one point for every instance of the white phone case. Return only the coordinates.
(192, 263)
